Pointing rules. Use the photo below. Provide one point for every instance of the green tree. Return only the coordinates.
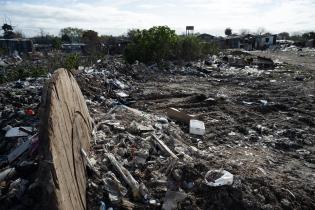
(91, 39)
(65, 38)
(284, 35)
(308, 35)
(228, 31)
(153, 45)
(72, 61)
(56, 43)
(188, 48)
(74, 34)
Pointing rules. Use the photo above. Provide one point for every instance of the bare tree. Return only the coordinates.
(261, 31)
(19, 34)
(42, 32)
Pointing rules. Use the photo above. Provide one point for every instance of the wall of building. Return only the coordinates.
(20, 45)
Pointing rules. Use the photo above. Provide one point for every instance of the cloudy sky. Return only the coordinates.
(117, 16)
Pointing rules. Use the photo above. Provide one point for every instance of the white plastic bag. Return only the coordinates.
(225, 179)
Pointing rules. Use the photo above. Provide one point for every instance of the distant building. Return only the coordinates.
(265, 41)
(74, 47)
(233, 42)
(43, 47)
(219, 41)
(19, 45)
(249, 42)
(206, 37)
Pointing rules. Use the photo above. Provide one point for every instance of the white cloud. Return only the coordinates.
(116, 16)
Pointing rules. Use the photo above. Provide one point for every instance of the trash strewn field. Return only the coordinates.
(252, 146)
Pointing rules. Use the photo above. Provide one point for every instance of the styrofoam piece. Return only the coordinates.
(16, 132)
(197, 127)
(225, 179)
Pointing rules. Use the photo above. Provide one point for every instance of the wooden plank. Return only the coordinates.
(126, 175)
(164, 147)
(178, 115)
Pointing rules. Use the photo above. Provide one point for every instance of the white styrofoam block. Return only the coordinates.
(197, 127)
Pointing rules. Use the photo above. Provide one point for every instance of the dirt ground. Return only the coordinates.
(299, 58)
(268, 145)
(259, 127)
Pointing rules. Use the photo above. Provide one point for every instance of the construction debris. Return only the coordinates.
(146, 151)
(197, 127)
(215, 178)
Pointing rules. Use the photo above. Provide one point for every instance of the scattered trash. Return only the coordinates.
(264, 102)
(122, 94)
(103, 206)
(22, 148)
(127, 177)
(197, 127)
(119, 84)
(114, 187)
(19, 132)
(141, 159)
(171, 199)
(7, 174)
(215, 178)
(29, 112)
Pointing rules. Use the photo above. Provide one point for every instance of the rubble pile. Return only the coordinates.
(240, 138)
(19, 120)
(235, 131)
(151, 150)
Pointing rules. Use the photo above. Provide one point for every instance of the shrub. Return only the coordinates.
(72, 61)
(22, 72)
(188, 48)
(161, 43)
(153, 45)
(56, 43)
(209, 48)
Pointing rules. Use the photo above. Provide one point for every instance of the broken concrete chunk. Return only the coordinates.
(178, 115)
(197, 127)
(18, 132)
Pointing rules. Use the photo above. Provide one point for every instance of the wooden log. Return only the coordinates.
(65, 129)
